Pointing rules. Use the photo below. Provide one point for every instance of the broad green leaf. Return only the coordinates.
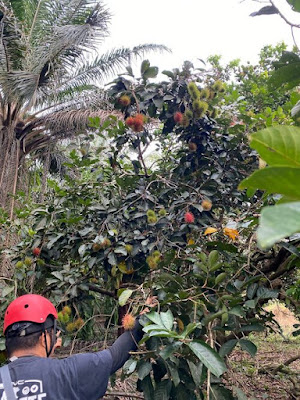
(151, 72)
(124, 296)
(289, 74)
(227, 347)
(167, 319)
(174, 374)
(220, 393)
(295, 4)
(167, 351)
(248, 346)
(278, 222)
(145, 65)
(151, 327)
(265, 293)
(155, 317)
(282, 180)
(129, 366)
(209, 357)
(147, 388)
(196, 371)
(278, 145)
(144, 369)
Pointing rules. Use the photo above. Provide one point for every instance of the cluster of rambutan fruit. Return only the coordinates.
(199, 106)
(64, 317)
(152, 216)
(27, 262)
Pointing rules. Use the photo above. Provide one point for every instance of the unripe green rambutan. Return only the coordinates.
(124, 100)
(70, 327)
(128, 322)
(156, 255)
(151, 213)
(19, 264)
(40, 262)
(28, 261)
(204, 94)
(79, 323)
(199, 108)
(218, 86)
(60, 316)
(67, 310)
(193, 91)
(162, 212)
(152, 262)
(152, 220)
(189, 114)
(214, 113)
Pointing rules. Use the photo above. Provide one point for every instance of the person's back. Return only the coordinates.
(31, 338)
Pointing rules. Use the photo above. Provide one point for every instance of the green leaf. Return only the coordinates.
(174, 374)
(167, 319)
(213, 258)
(144, 369)
(145, 65)
(196, 372)
(155, 317)
(278, 145)
(278, 222)
(248, 346)
(282, 180)
(129, 366)
(209, 357)
(227, 347)
(124, 296)
(151, 72)
(166, 352)
(288, 74)
(220, 393)
(295, 4)
(265, 293)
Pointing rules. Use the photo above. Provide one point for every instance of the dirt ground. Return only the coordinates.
(258, 376)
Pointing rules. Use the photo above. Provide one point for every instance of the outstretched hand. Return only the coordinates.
(150, 302)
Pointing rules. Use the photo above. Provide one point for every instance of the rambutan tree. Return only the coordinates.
(173, 227)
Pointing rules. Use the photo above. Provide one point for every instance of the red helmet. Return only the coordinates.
(31, 308)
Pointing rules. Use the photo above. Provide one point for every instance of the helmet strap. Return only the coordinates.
(52, 339)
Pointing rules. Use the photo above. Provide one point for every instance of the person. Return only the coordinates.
(32, 334)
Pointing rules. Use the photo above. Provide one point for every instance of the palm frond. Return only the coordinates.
(109, 64)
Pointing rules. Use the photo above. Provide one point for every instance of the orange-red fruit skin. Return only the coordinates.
(128, 322)
(178, 117)
(189, 218)
(36, 251)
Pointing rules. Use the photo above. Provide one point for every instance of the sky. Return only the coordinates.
(196, 29)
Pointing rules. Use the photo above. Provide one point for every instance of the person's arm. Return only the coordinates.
(123, 345)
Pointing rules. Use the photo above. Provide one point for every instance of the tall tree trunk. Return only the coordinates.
(10, 159)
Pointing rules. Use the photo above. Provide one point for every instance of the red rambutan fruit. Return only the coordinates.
(36, 251)
(178, 117)
(189, 218)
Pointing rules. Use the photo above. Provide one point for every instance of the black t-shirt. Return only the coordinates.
(79, 377)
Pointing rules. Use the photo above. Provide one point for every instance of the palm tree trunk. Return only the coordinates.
(10, 159)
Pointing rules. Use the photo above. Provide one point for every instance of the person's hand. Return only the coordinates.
(58, 342)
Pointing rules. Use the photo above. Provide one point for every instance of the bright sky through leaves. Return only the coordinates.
(196, 28)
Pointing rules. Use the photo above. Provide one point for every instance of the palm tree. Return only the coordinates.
(49, 68)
